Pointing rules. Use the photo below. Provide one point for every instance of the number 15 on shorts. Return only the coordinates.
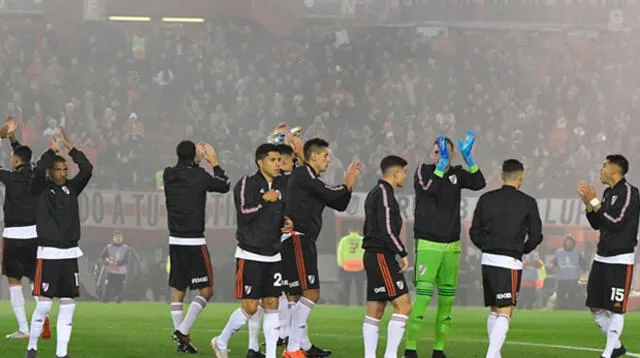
(617, 294)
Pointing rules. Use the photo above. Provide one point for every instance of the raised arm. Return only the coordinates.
(426, 181)
(39, 178)
(473, 180)
(80, 181)
(218, 182)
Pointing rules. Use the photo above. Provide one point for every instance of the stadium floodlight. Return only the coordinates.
(183, 19)
(130, 18)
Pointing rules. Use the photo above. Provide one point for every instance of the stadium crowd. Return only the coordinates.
(557, 100)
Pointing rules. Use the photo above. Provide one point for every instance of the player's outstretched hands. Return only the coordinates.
(586, 191)
(404, 264)
(53, 144)
(466, 147)
(65, 141)
(352, 173)
(200, 152)
(288, 225)
(271, 196)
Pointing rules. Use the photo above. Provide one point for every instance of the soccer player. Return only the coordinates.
(58, 229)
(19, 235)
(385, 281)
(616, 217)
(185, 188)
(259, 200)
(437, 232)
(306, 198)
(502, 219)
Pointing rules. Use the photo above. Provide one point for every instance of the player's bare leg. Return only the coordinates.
(181, 334)
(611, 325)
(499, 329)
(395, 327)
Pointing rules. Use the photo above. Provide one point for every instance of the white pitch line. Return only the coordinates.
(515, 343)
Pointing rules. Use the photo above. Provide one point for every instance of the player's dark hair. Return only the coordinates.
(23, 152)
(285, 149)
(314, 145)
(511, 166)
(186, 151)
(57, 159)
(447, 139)
(263, 151)
(620, 161)
(390, 162)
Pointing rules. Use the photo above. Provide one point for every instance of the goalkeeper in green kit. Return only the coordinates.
(437, 233)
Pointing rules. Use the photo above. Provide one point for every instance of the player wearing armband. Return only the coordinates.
(438, 190)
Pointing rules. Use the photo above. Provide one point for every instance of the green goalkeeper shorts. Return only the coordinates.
(437, 263)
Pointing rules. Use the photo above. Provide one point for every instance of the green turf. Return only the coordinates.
(142, 330)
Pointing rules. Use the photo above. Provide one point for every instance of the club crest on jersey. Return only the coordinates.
(45, 286)
(262, 191)
(400, 284)
(422, 269)
(453, 179)
(65, 189)
(312, 279)
(247, 289)
(613, 199)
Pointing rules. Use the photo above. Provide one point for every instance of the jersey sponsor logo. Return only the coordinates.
(45, 286)
(380, 290)
(504, 296)
(453, 179)
(422, 269)
(199, 279)
(247, 289)
(400, 284)
(312, 279)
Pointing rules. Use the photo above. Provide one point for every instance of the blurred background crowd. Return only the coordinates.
(556, 97)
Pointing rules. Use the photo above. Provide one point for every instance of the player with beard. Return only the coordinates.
(58, 229)
(307, 196)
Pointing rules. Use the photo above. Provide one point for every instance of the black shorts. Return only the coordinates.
(501, 286)
(255, 279)
(57, 278)
(190, 267)
(609, 286)
(385, 282)
(19, 258)
(299, 264)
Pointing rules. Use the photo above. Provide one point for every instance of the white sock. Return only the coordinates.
(254, 329)
(603, 320)
(284, 307)
(305, 342)
(613, 333)
(498, 335)
(196, 306)
(37, 321)
(176, 314)
(17, 302)
(237, 320)
(64, 325)
(271, 328)
(300, 313)
(34, 297)
(370, 329)
(490, 321)
(395, 331)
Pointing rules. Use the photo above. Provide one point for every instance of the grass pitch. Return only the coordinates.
(137, 330)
